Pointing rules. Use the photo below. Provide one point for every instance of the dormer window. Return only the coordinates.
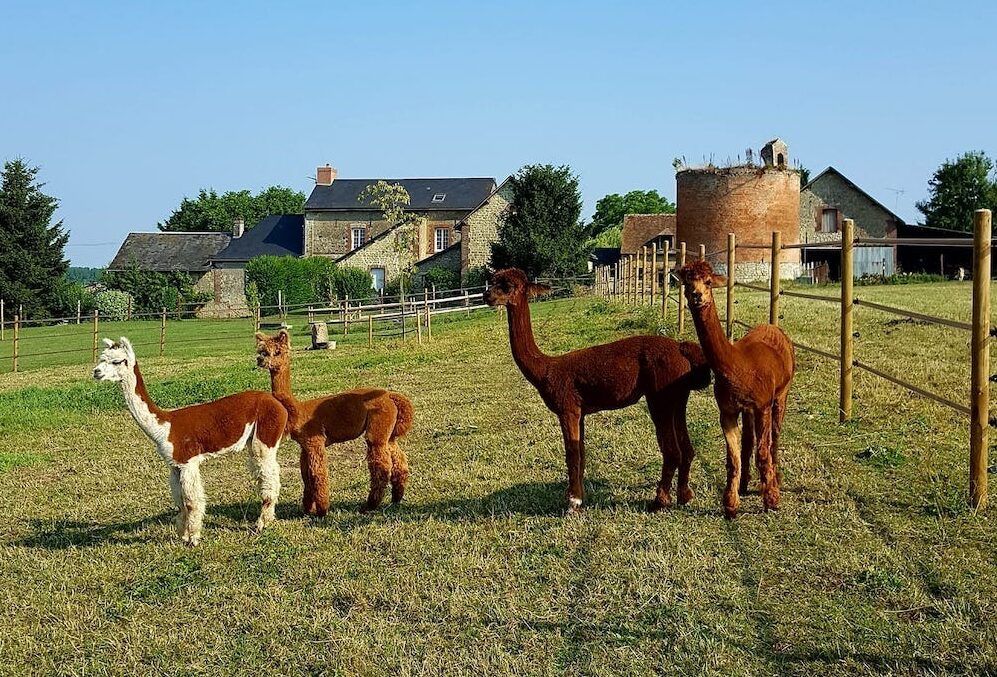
(439, 197)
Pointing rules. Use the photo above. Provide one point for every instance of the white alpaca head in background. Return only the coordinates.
(116, 361)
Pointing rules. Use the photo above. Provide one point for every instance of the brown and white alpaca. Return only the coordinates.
(187, 437)
(381, 416)
(610, 376)
(752, 381)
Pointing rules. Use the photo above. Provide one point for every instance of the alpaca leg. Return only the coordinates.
(399, 472)
(307, 483)
(664, 424)
(192, 491)
(314, 467)
(379, 465)
(265, 470)
(178, 501)
(571, 428)
(747, 448)
(686, 450)
(766, 474)
(728, 421)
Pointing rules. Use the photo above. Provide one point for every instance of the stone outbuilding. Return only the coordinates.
(641, 230)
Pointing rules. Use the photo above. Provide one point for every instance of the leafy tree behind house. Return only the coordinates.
(610, 210)
(210, 211)
(32, 259)
(152, 291)
(541, 232)
(392, 199)
(957, 189)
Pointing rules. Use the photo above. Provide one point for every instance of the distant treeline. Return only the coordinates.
(83, 275)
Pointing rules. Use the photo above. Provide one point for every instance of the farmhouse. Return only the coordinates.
(459, 223)
(643, 230)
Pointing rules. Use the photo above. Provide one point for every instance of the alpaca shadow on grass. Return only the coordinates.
(60, 534)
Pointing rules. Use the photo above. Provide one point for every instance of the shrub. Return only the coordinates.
(353, 282)
(899, 278)
(112, 304)
(67, 297)
(443, 278)
(152, 291)
(300, 280)
(252, 295)
(476, 277)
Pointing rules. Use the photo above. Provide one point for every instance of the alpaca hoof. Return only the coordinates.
(730, 513)
(397, 496)
(770, 498)
(657, 506)
(574, 506)
(686, 495)
(191, 541)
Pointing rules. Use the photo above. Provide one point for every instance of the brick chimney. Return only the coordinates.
(324, 176)
(238, 227)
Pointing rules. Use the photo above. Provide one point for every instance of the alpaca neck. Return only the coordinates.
(147, 415)
(718, 350)
(280, 387)
(529, 359)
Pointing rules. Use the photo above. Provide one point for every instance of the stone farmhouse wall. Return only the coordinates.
(830, 190)
(480, 229)
(378, 254)
(228, 287)
(330, 233)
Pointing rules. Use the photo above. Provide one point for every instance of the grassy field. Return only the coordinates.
(873, 564)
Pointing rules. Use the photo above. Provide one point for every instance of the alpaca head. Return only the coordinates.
(116, 361)
(273, 352)
(699, 280)
(512, 287)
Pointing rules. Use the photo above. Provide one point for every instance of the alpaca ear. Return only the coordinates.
(718, 281)
(535, 290)
(127, 345)
(260, 337)
(283, 337)
(108, 343)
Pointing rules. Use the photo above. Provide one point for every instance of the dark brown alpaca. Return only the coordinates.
(610, 376)
(381, 416)
(752, 381)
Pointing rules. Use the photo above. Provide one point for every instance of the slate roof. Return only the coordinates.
(459, 194)
(276, 235)
(168, 251)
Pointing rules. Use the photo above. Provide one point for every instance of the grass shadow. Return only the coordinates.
(60, 534)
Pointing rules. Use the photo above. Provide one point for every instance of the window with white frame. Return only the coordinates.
(358, 237)
(829, 221)
(442, 239)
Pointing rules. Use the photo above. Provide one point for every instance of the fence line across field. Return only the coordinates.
(625, 281)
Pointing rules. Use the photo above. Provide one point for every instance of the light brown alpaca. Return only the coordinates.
(610, 376)
(381, 416)
(752, 381)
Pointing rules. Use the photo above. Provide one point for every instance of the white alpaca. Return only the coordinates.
(186, 437)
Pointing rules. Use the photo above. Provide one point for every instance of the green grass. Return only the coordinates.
(873, 564)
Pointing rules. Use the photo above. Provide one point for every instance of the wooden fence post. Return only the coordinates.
(774, 278)
(418, 324)
(643, 274)
(429, 322)
(979, 417)
(681, 291)
(346, 316)
(702, 251)
(256, 324)
(654, 272)
(425, 308)
(162, 332)
(17, 333)
(79, 310)
(731, 248)
(3, 318)
(95, 329)
(666, 280)
(847, 343)
(467, 302)
(370, 331)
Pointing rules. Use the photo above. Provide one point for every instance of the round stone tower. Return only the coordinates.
(747, 200)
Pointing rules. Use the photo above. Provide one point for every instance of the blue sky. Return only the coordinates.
(128, 107)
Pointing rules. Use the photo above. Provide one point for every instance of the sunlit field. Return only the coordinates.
(872, 565)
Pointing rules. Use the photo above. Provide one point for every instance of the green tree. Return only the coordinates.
(957, 189)
(32, 259)
(210, 211)
(541, 232)
(609, 238)
(392, 199)
(610, 210)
